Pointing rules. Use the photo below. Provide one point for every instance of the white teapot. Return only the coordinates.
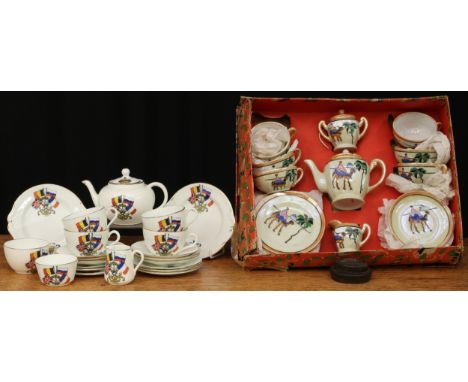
(345, 179)
(131, 197)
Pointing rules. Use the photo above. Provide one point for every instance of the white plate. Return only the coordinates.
(171, 272)
(100, 273)
(176, 265)
(215, 221)
(38, 212)
(284, 222)
(417, 217)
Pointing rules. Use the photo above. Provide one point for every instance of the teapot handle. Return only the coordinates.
(373, 164)
(363, 122)
(323, 125)
(366, 227)
(163, 189)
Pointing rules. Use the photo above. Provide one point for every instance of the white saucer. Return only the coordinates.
(215, 221)
(38, 212)
(141, 246)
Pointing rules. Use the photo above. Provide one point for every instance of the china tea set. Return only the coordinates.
(57, 237)
(291, 222)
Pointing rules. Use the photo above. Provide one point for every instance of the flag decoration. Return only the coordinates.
(87, 225)
(45, 201)
(31, 264)
(124, 207)
(200, 197)
(55, 276)
(164, 244)
(169, 224)
(89, 244)
(113, 270)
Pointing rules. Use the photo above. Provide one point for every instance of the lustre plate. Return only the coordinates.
(289, 222)
(419, 218)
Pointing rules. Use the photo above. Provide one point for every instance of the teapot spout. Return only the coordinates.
(319, 177)
(92, 191)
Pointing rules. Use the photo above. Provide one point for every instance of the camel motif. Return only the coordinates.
(344, 173)
(339, 239)
(335, 133)
(282, 218)
(418, 217)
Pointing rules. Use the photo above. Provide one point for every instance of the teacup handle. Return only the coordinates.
(292, 132)
(142, 256)
(195, 214)
(163, 189)
(443, 169)
(116, 233)
(363, 122)
(366, 227)
(298, 155)
(116, 214)
(301, 174)
(194, 244)
(374, 163)
(323, 125)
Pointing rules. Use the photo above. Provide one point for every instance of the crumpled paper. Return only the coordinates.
(440, 143)
(437, 184)
(314, 194)
(269, 140)
(387, 239)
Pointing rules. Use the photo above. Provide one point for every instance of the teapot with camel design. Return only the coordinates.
(346, 179)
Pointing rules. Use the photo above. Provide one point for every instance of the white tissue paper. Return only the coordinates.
(269, 140)
(440, 143)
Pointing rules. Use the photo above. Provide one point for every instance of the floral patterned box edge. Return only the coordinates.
(244, 247)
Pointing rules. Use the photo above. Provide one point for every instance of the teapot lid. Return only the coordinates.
(342, 116)
(346, 155)
(125, 179)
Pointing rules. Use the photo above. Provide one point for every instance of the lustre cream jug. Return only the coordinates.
(346, 179)
(348, 237)
(131, 197)
(343, 131)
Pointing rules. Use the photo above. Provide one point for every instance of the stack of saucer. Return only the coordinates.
(88, 265)
(184, 262)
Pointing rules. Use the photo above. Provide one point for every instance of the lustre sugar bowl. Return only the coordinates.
(279, 180)
(343, 131)
(348, 237)
(346, 179)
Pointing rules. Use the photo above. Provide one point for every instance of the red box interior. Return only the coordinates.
(305, 116)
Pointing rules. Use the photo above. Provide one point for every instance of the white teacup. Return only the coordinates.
(57, 269)
(348, 237)
(169, 218)
(168, 243)
(120, 269)
(89, 243)
(92, 220)
(21, 253)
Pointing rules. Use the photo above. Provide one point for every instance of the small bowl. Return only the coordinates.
(57, 269)
(289, 159)
(406, 155)
(418, 172)
(21, 253)
(412, 128)
(279, 180)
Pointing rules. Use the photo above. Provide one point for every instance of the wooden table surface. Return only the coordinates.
(223, 274)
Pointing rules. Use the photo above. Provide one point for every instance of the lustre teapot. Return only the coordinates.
(346, 179)
(131, 197)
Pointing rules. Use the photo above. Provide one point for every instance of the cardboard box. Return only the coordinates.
(304, 115)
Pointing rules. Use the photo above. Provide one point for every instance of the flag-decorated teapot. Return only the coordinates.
(346, 179)
(131, 197)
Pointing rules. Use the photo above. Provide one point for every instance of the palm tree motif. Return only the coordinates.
(287, 162)
(304, 222)
(421, 157)
(361, 166)
(350, 127)
(353, 233)
(417, 172)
